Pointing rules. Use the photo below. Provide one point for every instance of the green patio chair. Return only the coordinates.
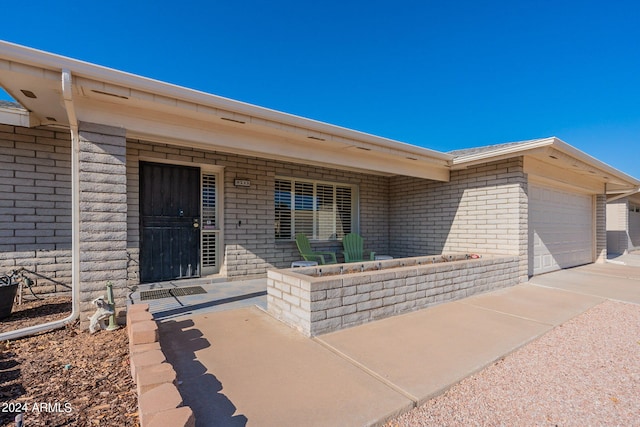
(353, 245)
(309, 255)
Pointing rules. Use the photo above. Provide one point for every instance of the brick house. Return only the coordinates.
(107, 176)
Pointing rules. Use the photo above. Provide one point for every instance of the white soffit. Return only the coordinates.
(161, 111)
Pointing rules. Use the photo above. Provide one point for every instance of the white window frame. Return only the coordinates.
(218, 231)
(355, 206)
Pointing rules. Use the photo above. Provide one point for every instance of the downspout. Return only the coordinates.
(75, 221)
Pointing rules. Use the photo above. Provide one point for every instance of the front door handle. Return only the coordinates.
(196, 223)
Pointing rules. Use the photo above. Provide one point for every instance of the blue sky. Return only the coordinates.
(443, 75)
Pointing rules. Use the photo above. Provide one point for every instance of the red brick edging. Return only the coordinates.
(159, 401)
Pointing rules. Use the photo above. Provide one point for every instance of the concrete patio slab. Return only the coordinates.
(242, 367)
(219, 295)
(542, 304)
(425, 352)
(603, 281)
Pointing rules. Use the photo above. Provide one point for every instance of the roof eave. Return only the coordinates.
(535, 146)
(629, 181)
(38, 58)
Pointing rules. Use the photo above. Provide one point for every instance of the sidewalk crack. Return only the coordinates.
(368, 371)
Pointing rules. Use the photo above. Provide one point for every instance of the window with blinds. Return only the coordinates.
(209, 202)
(321, 210)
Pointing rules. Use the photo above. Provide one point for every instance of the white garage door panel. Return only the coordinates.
(560, 229)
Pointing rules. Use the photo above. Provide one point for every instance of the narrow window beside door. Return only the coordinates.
(210, 227)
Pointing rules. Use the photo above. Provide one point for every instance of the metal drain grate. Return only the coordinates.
(171, 292)
(191, 290)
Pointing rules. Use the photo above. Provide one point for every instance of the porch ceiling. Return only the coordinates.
(158, 111)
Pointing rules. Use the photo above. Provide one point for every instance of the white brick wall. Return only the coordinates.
(482, 209)
(103, 215)
(35, 203)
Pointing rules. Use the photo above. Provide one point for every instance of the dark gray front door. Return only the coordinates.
(169, 222)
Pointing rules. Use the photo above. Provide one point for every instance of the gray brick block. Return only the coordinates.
(327, 304)
(356, 318)
(330, 324)
(341, 311)
(354, 299)
(369, 305)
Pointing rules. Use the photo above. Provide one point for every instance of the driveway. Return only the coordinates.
(611, 281)
(242, 367)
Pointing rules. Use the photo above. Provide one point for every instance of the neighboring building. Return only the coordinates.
(623, 224)
(107, 176)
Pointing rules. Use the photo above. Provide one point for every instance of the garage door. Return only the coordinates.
(560, 229)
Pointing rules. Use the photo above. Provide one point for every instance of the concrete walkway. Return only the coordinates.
(242, 367)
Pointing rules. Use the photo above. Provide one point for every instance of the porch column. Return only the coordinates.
(601, 228)
(102, 215)
(523, 229)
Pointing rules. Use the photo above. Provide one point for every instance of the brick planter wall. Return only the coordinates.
(159, 401)
(316, 305)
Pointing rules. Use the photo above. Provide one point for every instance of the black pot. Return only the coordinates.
(7, 296)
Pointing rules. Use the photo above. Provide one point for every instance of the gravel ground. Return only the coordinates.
(35, 312)
(585, 372)
(65, 377)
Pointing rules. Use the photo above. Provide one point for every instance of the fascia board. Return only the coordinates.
(14, 52)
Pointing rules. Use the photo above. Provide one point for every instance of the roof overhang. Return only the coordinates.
(555, 161)
(157, 111)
